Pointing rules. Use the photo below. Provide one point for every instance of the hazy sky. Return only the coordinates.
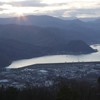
(58, 8)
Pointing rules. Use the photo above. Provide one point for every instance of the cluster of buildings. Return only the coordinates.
(47, 74)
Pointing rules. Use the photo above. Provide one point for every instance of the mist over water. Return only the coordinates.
(58, 59)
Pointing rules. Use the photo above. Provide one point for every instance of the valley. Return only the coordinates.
(66, 41)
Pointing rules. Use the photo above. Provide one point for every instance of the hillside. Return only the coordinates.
(79, 46)
(11, 50)
(47, 36)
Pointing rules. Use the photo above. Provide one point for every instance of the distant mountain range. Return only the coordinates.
(50, 27)
(34, 36)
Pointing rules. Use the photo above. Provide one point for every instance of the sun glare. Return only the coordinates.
(19, 14)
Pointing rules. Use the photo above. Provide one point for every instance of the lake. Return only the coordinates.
(58, 59)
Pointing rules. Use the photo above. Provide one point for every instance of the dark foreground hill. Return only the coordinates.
(63, 89)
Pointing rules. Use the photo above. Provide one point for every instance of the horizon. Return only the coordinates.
(24, 17)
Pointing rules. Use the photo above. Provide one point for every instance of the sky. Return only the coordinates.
(56, 8)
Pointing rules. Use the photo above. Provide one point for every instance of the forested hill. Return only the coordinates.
(79, 47)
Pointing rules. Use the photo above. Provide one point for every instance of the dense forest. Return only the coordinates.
(63, 90)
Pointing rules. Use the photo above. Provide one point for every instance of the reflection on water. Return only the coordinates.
(58, 59)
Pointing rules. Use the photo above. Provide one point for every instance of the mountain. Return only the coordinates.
(49, 36)
(47, 21)
(79, 47)
(4, 60)
(35, 25)
(41, 21)
(34, 35)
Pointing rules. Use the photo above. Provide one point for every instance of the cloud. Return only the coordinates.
(59, 8)
(83, 13)
(24, 3)
(8, 1)
(29, 3)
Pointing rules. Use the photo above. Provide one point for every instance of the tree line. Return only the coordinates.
(61, 90)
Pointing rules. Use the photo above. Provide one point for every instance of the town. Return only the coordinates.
(47, 74)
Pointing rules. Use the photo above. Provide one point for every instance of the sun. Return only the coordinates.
(18, 11)
(19, 14)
